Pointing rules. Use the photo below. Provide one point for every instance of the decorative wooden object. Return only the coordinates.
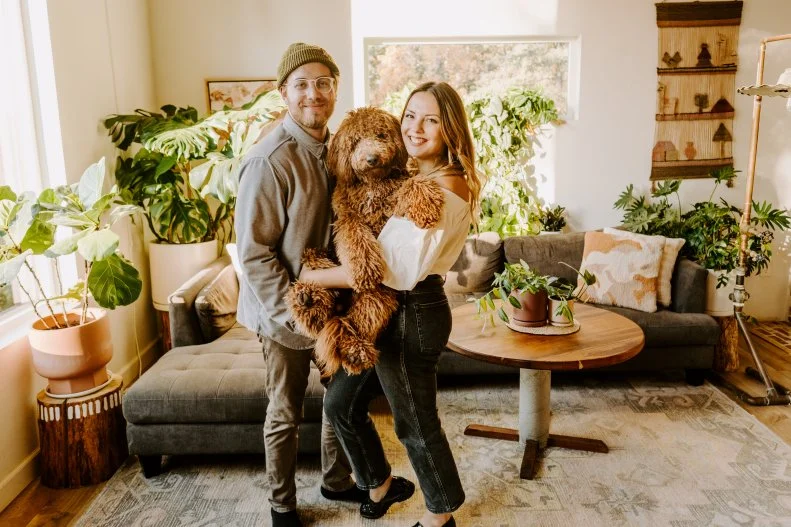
(83, 439)
(696, 71)
(164, 318)
(726, 353)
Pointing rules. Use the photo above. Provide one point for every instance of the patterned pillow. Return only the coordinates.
(670, 250)
(626, 270)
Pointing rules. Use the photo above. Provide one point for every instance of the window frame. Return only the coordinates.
(573, 74)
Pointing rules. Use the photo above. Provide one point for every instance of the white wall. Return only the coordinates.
(102, 65)
(244, 38)
(590, 160)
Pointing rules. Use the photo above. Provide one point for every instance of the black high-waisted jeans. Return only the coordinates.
(407, 374)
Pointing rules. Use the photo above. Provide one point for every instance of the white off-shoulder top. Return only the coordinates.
(412, 253)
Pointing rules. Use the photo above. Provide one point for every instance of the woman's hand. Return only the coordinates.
(332, 278)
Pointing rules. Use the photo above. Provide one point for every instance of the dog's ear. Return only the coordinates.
(401, 156)
(339, 161)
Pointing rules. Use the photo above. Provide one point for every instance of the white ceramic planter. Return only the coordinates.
(174, 264)
(559, 320)
(717, 302)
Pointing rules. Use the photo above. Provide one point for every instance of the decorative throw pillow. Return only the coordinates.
(481, 257)
(670, 250)
(626, 270)
(215, 304)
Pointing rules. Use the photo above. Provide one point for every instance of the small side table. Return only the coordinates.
(726, 352)
(83, 439)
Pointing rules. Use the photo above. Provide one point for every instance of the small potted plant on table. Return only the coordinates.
(524, 289)
(563, 294)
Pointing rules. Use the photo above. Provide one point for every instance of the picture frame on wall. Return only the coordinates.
(234, 93)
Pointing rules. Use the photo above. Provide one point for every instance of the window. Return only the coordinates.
(473, 68)
(19, 150)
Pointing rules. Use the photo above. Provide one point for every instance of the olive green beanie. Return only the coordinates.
(300, 53)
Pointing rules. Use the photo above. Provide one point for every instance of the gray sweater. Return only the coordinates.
(283, 207)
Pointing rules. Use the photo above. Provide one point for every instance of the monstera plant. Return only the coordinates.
(29, 228)
(184, 178)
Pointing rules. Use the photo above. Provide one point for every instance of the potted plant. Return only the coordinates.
(552, 219)
(563, 294)
(184, 179)
(711, 229)
(524, 289)
(70, 340)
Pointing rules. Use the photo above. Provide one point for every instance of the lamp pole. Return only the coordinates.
(775, 393)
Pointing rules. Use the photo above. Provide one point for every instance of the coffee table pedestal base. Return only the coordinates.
(534, 417)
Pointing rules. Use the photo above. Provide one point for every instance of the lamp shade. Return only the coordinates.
(781, 89)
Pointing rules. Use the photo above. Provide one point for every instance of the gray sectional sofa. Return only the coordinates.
(206, 395)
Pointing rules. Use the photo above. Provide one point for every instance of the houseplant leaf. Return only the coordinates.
(40, 235)
(114, 282)
(66, 245)
(98, 245)
(89, 188)
(9, 269)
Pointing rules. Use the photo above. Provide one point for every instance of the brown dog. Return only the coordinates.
(368, 159)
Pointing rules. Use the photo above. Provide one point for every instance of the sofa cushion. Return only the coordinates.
(219, 382)
(670, 250)
(544, 253)
(665, 328)
(481, 257)
(215, 304)
(626, 270)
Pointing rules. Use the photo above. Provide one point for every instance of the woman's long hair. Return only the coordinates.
(455, 130)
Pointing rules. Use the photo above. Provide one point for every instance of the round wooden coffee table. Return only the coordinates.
(604, 338)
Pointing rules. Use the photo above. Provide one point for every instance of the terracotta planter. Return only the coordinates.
(718, 303)
(559, 320)
(172, 264)
(72, 358)
(533, 312)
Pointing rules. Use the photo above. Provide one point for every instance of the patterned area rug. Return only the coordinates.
(777, 333)
(680, 455)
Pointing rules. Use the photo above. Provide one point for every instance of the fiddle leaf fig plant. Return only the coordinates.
(28, 226)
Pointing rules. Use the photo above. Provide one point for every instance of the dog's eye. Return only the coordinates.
(381, 136)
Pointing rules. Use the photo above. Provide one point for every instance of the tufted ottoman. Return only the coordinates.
(209, 399)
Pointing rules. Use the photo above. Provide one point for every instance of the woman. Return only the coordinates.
(438, 140)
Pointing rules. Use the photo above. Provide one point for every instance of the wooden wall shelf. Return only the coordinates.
(697, 116)
(713, 70)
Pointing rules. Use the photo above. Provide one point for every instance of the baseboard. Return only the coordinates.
(18, 479)
(130, 371)
(27, 471)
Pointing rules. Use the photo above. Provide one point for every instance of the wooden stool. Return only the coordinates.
(83, 439)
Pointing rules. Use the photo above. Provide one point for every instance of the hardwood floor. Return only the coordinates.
(38, 506)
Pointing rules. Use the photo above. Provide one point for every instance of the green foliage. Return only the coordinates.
(515, 278)
(504, 130)
(564, 291)
(552, 218)
(185, 176)
(712, 230)
(28, 227)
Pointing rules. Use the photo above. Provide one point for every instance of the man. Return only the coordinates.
(282, 208)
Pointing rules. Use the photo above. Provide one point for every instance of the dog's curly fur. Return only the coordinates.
(367, 158)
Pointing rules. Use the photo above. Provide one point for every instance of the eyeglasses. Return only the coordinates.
(322, 84)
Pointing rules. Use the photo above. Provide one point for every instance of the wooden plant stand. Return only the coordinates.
(83, 439)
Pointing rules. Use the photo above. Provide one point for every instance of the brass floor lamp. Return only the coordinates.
(775, 393)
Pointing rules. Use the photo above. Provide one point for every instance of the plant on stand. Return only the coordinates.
(524, 289)
(70, 340)
(185, 178)
(711, 229)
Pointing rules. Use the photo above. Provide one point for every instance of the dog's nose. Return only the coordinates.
(372, 160)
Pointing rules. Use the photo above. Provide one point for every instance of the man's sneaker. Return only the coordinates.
(285, 519)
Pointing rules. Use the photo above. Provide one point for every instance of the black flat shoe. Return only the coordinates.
(285, 519)
(449, 523)
(355, 494)
(400, 490)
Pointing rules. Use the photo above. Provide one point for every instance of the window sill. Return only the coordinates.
(15, 324)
